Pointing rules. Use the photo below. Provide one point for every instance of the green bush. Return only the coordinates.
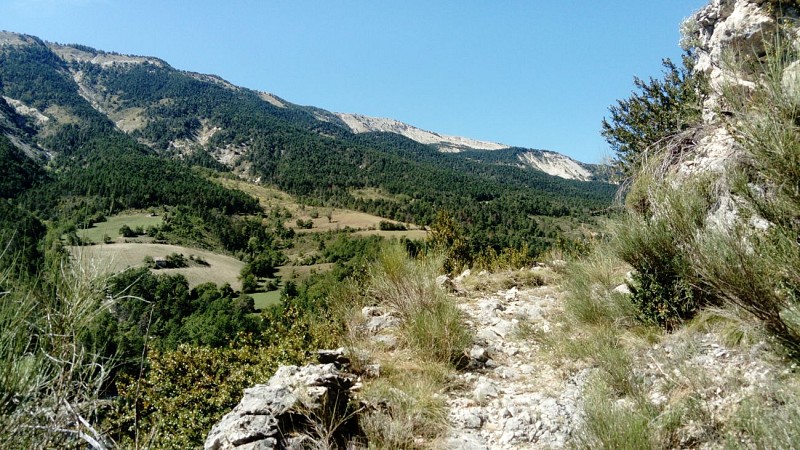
(126, 231)
(656, 242)
(432, 323)
(657, 111)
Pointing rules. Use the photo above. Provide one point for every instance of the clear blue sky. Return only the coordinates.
(532, 73)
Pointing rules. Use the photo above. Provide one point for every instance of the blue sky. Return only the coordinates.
(534, 73)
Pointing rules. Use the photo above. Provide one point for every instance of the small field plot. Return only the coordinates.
(410, 234)
(112, 225)
(318, 215)
(340, 219)
(114, 258)
(300, 273)
(264, 300)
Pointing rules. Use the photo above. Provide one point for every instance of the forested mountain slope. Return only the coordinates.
(114, 123)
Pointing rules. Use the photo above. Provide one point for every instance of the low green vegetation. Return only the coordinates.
(406, 403)
(112, 225)
(265, 300)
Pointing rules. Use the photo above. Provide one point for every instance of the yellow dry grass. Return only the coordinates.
(365, 224)
(221, 269)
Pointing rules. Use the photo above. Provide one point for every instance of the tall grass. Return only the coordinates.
(590, 284)
(407, 402)
(50, 383)
(611, 425)
(412, 406)
(431, 323)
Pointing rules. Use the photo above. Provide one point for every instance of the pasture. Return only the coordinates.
(112, 225)
(264, 300)
(113, 258)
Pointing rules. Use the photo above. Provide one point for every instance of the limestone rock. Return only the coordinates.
(378, 319)
(727, 27)
(281, 413)
(622, 289)
(479, 353)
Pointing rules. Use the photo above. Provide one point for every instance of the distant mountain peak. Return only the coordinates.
(551, 163)
(364, 124)
(79, 53)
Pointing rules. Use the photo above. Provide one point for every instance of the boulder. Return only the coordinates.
(288, 411)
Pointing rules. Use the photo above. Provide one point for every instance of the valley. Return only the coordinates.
(189, 263)
(211, 228)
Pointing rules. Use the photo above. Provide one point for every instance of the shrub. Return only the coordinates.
(447, 237)
(386, 225)
(656, 243)
(126, 231)
(175, 261)
(431, 322)
(249, 284)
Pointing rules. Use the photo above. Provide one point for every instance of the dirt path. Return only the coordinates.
(516, 400)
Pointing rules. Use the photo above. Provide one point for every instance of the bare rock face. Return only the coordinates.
(724, 31)
(730, 28)
(291, 410)
(727, 35)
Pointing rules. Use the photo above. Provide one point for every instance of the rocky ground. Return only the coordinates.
(516, 399)
(516, 395)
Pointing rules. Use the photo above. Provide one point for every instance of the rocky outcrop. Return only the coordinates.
(299, 406)
(363, 124)
(728, 29)
(723, 33)
(728, 37)
(556, 164)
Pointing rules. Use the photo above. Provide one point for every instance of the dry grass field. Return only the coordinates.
(117, 257)
(300, 273)
(365, 224)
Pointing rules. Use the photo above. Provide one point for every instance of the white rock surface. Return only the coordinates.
(274, 415)
(556, 164)
(364, 124)
(520, 402)
(552, 163)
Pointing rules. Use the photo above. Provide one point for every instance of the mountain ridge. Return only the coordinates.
(83, 62)
(547, 161)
